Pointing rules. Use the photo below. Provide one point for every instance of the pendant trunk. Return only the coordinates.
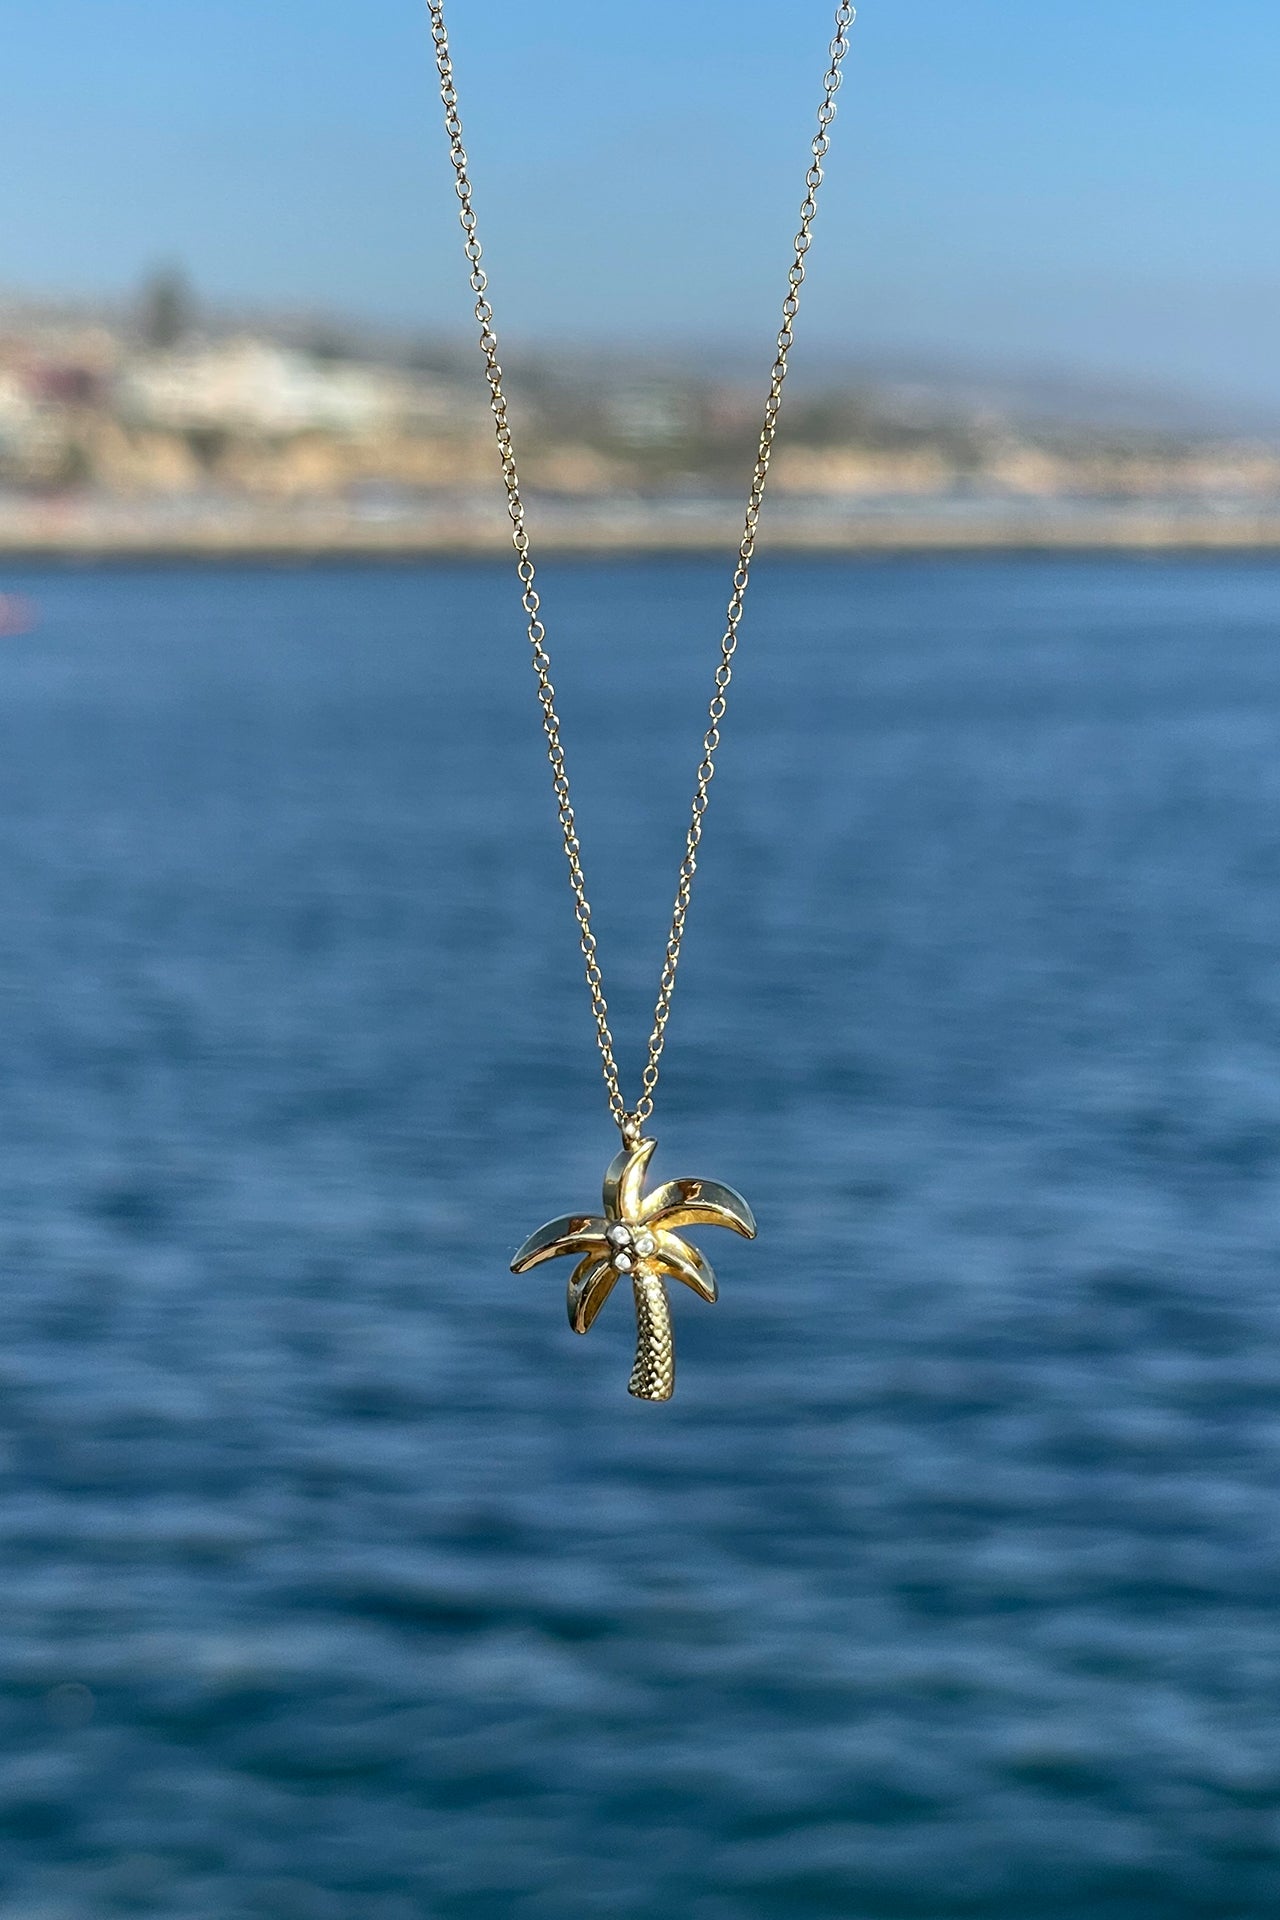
(654, 1375)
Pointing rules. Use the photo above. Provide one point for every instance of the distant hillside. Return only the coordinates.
(246, 414)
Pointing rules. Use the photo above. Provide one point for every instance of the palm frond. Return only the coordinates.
(571, 1233)
(677, 1259)
(592, 1282)
(698, 1203)
(624, 1182)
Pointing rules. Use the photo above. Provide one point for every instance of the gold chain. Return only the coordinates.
(631, 1121)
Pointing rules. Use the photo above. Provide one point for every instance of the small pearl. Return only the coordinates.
(622, 1262)
(645, 1244)
(619, 1235)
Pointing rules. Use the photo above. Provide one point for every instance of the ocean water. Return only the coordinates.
(339, 1580)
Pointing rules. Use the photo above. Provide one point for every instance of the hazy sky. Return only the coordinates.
(1094, 185)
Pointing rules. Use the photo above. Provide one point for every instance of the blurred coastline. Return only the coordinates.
(157, 430)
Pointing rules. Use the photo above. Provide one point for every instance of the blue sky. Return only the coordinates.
(1093, 186)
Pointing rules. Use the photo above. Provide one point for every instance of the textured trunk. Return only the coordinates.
(654, 1375)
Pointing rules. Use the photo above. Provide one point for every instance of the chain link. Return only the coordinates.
(632, 1120)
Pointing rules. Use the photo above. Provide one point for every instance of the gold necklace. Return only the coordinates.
(635, 1235)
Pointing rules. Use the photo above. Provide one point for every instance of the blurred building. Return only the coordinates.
(250, 418)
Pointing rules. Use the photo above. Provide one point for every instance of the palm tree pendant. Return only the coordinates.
(636, 1236)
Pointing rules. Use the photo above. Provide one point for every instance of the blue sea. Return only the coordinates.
(338, 1579)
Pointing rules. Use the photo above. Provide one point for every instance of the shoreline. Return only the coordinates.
(75, 536)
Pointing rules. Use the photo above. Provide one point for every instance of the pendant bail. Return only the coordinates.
(632, 1129)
